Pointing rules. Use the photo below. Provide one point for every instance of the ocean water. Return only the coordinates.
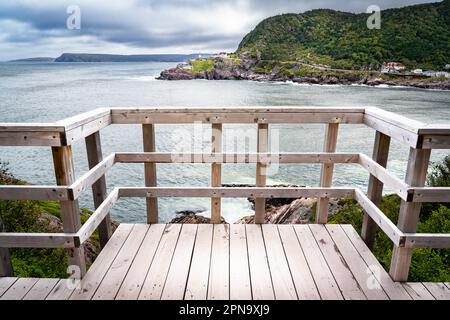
(41, 92)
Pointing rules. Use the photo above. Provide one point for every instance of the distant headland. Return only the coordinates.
(89, 57)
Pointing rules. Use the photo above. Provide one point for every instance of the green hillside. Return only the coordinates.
(418, 36)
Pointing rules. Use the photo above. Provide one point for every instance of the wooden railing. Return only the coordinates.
(61, 135)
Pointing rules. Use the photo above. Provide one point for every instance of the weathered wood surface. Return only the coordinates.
(261, 171)
(99, 192)
(216, 171)
(326, 174)
(70, 211)
(238, 192)
(375, 189)
(217, 157)
(148, 135)
(230, 262)
(408, 218)
(237, 115)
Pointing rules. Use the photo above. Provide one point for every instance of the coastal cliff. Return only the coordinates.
(331, 47)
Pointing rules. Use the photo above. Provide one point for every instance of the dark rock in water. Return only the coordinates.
(299, 211)
(175, 74)
(193, 218)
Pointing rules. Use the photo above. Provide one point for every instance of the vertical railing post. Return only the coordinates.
(375, 188)
(99, 193)
(326, 175)
(216, 171)
(6, 269)
(408, 218)
(70, 211)
(261, 171)
(148, 133)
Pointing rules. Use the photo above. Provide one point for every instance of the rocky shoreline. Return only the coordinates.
(244, 71)
(278, 211)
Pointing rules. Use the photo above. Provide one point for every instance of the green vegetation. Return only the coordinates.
(427, 264)
(417, 36)
(39, 217)
(202, 65)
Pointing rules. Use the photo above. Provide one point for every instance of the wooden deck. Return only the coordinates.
(199, 262)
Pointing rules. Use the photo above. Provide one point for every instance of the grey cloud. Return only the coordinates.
(156, 24)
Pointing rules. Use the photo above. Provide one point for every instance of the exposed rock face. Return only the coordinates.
(278, 210)
(193, 218)
(244, 71)
(91, 247)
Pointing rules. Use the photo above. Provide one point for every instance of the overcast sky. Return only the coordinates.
(30, 28)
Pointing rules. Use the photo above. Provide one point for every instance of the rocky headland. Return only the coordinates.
(243, 69)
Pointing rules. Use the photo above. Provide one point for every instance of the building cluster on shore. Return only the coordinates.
(399, 69)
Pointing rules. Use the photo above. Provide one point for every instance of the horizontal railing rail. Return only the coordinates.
(74, 191)
(420, 137)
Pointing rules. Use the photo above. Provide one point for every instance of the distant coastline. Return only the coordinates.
(88, 57)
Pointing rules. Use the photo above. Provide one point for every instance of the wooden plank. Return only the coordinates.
(219, 272)
(435, 194)
(41, 289)
(238, 192)
(85, 124)
(156, 277)
(197, 285)
(83, 118)
(417, 291)
(438, 290)
(128, 112)
(416, 174)
(394, 119)
(38, 240)
(405, 136)
(110, 285)
(93, 177)
(238, 118)
(31, 138)
(85, 130)
(99, 268)
(237, 115)
(6, 283)
(148, 134)
(19, 289)
(338, 265)
(240, 285)
(261, 171)
(61, 291)
(380, 173)
(262, 288)
(6, 268)
(250, 157)
(375, 189)
(177, 277)
(303, 280)
(216, 171)
(283, 286)
(427, 240)
(135, 277)
(379, 217)
(98, 216)
(326, 175)
(358, 267)
(394, 290)
(320, 271)
(51, 193)
(70, 211)
(433, 141)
